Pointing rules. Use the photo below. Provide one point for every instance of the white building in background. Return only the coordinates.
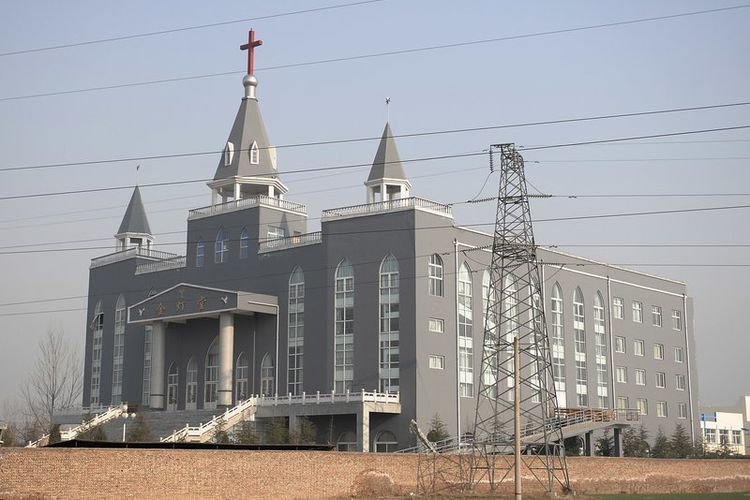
(727, 427)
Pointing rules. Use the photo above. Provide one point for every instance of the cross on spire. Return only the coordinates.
(250, 47)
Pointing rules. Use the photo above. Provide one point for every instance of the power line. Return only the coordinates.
(387, 53)
(184, 28)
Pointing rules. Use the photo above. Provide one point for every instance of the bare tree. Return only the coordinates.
(55, 381)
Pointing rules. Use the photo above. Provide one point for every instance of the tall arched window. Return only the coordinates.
(267, 386)
(191, 385)
(465, 338)
(221, 247)
(173, 382)
(579, 332)
(489, 319)
(97, 326)
(344, 333)
(200, 253)
(296, 331)
(558, 344)
(511, 324)
(228, 154)
(240, 379)
(146, 396)
(211, 377)
(118, 353)
(389, 325)
(244, 244)
(385, 442)
(600, 340)
(435, 273)
(254, 154)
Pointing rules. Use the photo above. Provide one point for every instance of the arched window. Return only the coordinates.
(347, 441)
(200, 253)
(385, 442)
(146, 396)
(435, 273)
(118, 353)
(221, 247)
(173, 382)
(211, 377)
(600, 341)
(228, 154)
(97, 327)
(240, 379)
(558, 344)
(296, 331)
(389, 325)
(244, 244)
(267, 386)
(465, 340)
(254, 154)
(511, 326)
(344, 333)
(191, 385)
(489, 319)
(579, 332)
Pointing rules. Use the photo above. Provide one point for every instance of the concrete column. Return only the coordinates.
(270, 191)
(226, 358)
(363, 430)
(370, 194)
(215, 197)
(588, 447)
(618, 441)
(383, 192)
(236, 191)
(158, 361)
(292, 423)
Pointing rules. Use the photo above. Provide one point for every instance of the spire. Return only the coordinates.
(134, 229)
(387, 177)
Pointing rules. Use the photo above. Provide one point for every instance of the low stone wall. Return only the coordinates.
(146, 473)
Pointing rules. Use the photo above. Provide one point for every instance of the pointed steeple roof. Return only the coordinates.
(135, 220)
(248, 133)
(387, 163)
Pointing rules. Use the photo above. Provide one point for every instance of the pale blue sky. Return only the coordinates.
(690, 61)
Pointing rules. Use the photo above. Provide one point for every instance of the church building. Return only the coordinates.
(373, 321)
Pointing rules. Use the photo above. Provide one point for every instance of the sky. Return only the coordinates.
(47, 242)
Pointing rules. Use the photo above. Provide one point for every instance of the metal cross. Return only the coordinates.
(250, 47)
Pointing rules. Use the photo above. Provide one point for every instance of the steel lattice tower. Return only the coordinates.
(515, 309)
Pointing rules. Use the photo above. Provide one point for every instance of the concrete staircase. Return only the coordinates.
(160, 423)
(245, 410)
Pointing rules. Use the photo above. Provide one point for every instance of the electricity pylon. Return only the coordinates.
(515, 310)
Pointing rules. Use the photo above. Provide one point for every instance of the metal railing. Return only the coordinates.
(130, 253)
(110, 413)
(243, 203)
(161, 265)
(290, 242)
(389, 206)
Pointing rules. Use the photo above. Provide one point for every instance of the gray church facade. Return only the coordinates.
(370, 322)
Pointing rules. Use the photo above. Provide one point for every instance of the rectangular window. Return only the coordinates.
(736, 437)
(622, 374)
(436, 325)
(637, 312)
(658, 351)
(622, 403)
(678, 355)
(275, 232)
(723, 436)
(661, 409)
(661, 380)
(679, 382)
(656, 316)
(642, 405)
(620, 344)
(681, 410)
(437, 362)
(710, 435)
(617, 307)
(639, 348)
(640, 377)
(676, 320)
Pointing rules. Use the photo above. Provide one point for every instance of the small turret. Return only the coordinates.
(387, 180)
(134, 230)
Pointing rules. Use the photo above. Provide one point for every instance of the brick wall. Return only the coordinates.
(109, 473)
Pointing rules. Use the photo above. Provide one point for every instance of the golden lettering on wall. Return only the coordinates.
(161, 309)
(202, 303)
(180, 306)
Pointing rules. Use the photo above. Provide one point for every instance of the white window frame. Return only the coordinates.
(656, 316)
(658, 351)
(436, 362)
(642, 405)
(637, 312)
(435, 276)
(620, 344)
(676, 320)
(622, 374)
(680, 382)
(660, 380)
(679, 355)
(200, 254)
(623, 402)
(639, 347)
(682, 411)
(436, 325)
(228, 154)
(662, 410)
(640, 377)
(254, 154)
(618, 308)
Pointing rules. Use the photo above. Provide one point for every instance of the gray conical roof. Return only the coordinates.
(387, 162)
(248, 128)
(135, 220)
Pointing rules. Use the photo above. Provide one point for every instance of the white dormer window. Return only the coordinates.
(254, 154)
(228, 154)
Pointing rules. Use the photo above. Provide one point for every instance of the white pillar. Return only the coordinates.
(158, 355)
(363, 429)
(383, 192)
(236, 191)
(226, 358)
(370, 194)
(214, 196)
